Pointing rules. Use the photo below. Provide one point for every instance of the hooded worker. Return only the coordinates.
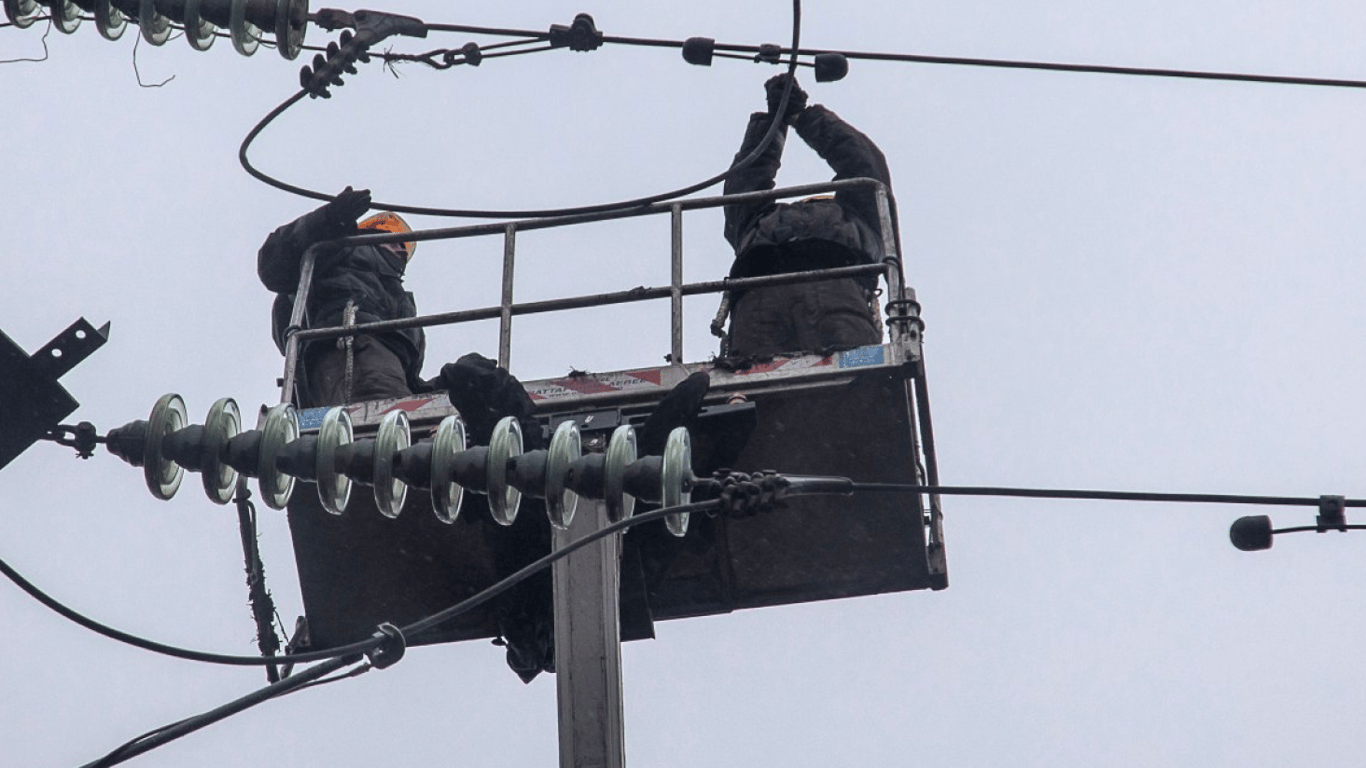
(772, 238)
(363, 281)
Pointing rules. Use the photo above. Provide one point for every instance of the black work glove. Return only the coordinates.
(341, 212)
(796, 101)
(679, 408)
(483, 393)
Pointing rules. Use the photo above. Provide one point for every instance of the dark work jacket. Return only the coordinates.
(369, 275)
(775, 237)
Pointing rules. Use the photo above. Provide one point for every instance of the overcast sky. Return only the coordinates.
(1128, 283)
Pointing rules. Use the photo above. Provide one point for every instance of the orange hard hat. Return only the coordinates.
(388, 221)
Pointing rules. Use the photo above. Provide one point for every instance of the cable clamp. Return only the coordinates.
(582, 35)
(390, 648)
(769, 53)
(1332, 514)
(83, 437)
(746, 495)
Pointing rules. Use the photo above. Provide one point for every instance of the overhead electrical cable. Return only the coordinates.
(169, 650)
(768, 138)
(1057, 493)
(361, 647)
(165, 734)
(314, 675)
(750, 51)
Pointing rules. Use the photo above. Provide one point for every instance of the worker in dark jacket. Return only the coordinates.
(365, 281)
(820, 233)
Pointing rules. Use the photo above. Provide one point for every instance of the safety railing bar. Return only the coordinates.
(676, 285)
(296, 320)
(595, 300)
(505, 310)
(892, 262)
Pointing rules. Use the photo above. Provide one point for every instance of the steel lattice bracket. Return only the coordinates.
(32, 403)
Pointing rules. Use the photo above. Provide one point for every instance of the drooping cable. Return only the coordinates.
(361, 647)
(527, 571)
(315, 675)
(156, 738)
(42, 40)
(170, 650)
(768, 138)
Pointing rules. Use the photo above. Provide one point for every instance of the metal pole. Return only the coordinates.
(588, 645)
(505, 318)
(891, 256)
(676, 287)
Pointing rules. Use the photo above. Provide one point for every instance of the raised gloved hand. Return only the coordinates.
(341, 212)
(796, 101)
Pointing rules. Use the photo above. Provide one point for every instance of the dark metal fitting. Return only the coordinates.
(83, 437)
(1251, 534)
(332, 19)
(831, 67)
(699, 50)
(390, 649)
(769, 53)
(474, 56)
(582, 35)
(381, 25)
(127, 442)
(1332, 513)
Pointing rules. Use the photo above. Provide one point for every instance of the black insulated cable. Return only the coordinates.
(369, 646)
(534, 213)
(387, 646)
(1061, 493)
(173, 651)
(748, 52)
(153, 739)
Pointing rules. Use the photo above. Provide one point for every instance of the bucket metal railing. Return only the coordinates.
(902, 311)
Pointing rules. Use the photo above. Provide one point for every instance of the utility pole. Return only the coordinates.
(588, 644)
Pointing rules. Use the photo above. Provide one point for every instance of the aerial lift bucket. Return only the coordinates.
(857, 414)
(861, 414)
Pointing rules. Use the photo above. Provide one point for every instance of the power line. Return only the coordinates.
(168, 733)
(1058, 493)
(315, 675)
(767, 139)
(362, 647)
(962, 61)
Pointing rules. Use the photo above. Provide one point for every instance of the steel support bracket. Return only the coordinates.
(32, 403)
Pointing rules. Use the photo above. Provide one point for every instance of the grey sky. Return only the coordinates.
(1127, 283)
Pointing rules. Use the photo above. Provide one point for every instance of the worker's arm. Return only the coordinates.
(849, 153)
(758, 176)
(278, 261)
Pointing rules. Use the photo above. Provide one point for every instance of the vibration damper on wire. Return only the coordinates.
(829, 67)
